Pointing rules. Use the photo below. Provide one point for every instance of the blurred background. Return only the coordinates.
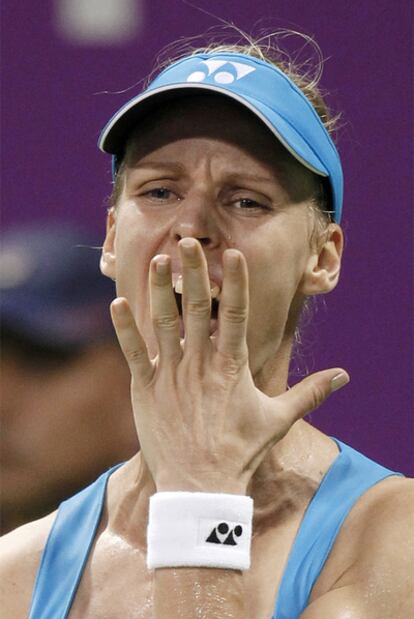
(65, 411)
(66, 67)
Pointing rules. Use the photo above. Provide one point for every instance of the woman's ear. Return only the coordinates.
(108, 259)
(324, 264)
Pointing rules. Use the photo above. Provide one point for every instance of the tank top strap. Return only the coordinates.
(67, 550)
(350, 475)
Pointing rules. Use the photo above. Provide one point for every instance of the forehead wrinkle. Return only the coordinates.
(215, 118)
(213, 163)
(144, 153)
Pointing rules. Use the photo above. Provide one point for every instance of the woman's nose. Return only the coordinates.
(195, 218)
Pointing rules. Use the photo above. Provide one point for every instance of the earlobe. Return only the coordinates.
(108, 259)
(323, 267)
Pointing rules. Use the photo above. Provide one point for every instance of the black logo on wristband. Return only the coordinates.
(222, 534)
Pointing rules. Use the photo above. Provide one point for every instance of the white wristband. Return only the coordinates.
(199, 529)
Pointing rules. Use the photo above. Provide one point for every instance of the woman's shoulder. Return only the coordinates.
(374, 556)
(384, 510)
(386, 520)
(20, 554)
(374, 551)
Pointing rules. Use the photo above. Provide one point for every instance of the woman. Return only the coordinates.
(225, 219)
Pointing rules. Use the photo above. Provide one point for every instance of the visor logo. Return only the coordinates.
(222, 75)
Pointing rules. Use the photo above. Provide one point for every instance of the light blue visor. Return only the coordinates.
(257, 85)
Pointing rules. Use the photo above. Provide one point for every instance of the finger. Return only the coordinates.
(309, 394)
(164, 312)
(131, 342)
(234, 306)
(196, 294)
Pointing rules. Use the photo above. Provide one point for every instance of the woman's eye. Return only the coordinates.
(159, 193)
(248, 203)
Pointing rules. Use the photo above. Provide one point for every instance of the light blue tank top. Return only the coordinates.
(72, 535)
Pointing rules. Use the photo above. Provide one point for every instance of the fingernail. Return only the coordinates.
(233, 259)
(161, 265)
(188, 246)
(117, 305)
(338, 381)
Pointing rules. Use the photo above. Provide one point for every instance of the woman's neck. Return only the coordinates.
(283, 484)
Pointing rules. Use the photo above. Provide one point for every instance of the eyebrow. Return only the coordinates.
(158, 165)
(237, 177)
(179, 168)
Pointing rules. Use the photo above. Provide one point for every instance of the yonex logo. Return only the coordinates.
(222, 534)
(222, 75)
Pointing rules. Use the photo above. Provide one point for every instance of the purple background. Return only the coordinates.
(51, 118)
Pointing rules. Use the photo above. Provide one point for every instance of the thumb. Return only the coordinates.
(311, 392)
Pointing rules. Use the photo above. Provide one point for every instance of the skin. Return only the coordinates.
(220, 391)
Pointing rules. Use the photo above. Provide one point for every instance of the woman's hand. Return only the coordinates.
(202, 424)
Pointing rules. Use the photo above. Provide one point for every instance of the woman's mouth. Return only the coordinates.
(215, 301)
(214, 306)
(213, 320)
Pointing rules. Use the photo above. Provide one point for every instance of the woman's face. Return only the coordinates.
(206, 168)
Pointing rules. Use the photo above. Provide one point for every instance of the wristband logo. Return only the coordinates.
(222, 534)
